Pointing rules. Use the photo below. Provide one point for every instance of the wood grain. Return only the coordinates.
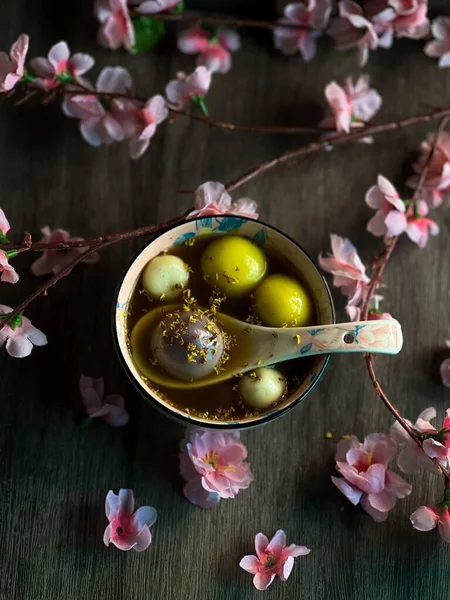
(54, 475)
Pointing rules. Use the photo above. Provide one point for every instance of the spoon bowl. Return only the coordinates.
(256, 346)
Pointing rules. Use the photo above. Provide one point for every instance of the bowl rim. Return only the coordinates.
(186, 419)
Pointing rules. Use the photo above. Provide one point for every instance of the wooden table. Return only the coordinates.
(54, 474)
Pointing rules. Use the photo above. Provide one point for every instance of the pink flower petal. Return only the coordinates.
(396, 223)
(382, 501)
(116, 416)
(58, 53)
(4, 223)
(444, 525)
(114, 80)
(261, 581)
(377, 224)
(143, 539)
(294, 550)
(277, 543)
(212, 192)
(373, 512)
(126, 501)
(107, 535)
(349, 491)
(112, 504)
(197, 495)
(250, 564)
(193, 40)
(19, 346)
(82, 63)
(145, 516)
(408, 460)
(261, 543)
(287, 568)
(424, 519)
(435, 449)
(397, 485)
(157, 107)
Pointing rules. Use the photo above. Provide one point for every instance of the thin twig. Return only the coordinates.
(335, 141)
(95, 245)
(78, 89)
(376, 280)
(199, 18)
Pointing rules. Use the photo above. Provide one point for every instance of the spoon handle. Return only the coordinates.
(383, 336)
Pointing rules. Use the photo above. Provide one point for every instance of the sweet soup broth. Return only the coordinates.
(220, 401)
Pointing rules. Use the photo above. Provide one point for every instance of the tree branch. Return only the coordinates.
(337, 140)
(214, 19)
(95, 245)
(377, 277)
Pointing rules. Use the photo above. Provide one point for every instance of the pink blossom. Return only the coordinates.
(352, 105)
(152, 7)
(127, 529)
(349, 273)
(390, 218)
(445, 372)
(352, 30)
(211, 199)
(52, 261)
(411, 18)
(419, 226)
(12, 67)
(440, 46)
(111, 408)
(311, 16)
(437, 446)
(7, 271)
(60, 67)
(366, 479)
(98, 125)
(212, 463)
(4, 223)
(187, 87)
(116, 27)
(354, 312)
(377, 316)
(411, 457)
(425, 518)
(140, 122)
(399, 18)
(437, 180)
(214, 51)
(20, 335)
(272, 558)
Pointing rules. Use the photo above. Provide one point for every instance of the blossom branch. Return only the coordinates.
(93, 245)
(380, 265)
(198, 18)
(337, 140)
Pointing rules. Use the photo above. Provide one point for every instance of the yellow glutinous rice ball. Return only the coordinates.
(234, 264)
(282, 301)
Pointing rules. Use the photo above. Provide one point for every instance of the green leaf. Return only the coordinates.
(200, 102)
(11, 254)
(179, 8)
(16, 321)
(4, 239)
(147, 32)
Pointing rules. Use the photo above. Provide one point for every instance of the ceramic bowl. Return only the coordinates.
(268, 238)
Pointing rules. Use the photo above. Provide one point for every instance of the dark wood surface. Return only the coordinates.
(54, 475)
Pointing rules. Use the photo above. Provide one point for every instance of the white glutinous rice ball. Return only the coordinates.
(262, 387)
(165, 277)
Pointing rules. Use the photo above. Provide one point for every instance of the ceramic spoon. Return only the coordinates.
(256, 346)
